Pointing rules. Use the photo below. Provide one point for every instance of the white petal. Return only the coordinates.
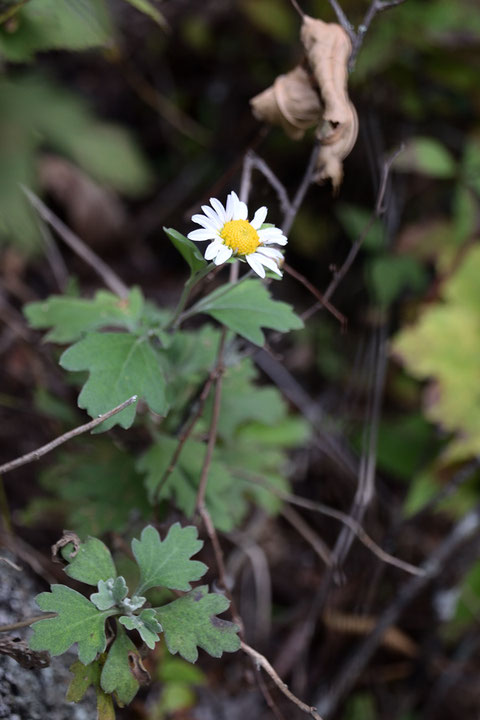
(210, 213)
(268, 262)
(207, 222)
(218, 207)
(266, 238)
(255, 265)
(230, 206)
(204, 234)
(212, 249)
(223, 255)
(241, 211)
(270, 252)
(259, 218)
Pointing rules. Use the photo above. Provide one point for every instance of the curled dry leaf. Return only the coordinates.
(291, 102)
(68, 537)
(303, 99)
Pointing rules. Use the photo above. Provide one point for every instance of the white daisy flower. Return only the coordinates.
(233, 235)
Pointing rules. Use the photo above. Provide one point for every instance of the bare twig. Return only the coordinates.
(254, 162)
(346, 265)
(187, 430)
(212, 434)
(347, 520)
(37, 454)
(297, 7)
(376, 6)
(307, 180)
(110, 278)
(26, 622)
(303, 529)
(316, 293)
(12, 564)
(262, 661)
(466, 529)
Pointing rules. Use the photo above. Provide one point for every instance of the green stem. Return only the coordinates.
(189, 285)
(199, 306)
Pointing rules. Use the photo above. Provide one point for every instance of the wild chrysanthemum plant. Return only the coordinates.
(233, 235)
(108, 659)
(129, 346)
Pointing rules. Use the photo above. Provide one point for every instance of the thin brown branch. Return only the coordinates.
(303, 529)
(254, 162)
(212, 434)
(26, 622)
(375, 7)
(347, 520)
(109, 277)
(40, 452)
(354, 250)
(187, 430)
(307, 180)
(467, 529)
(297, 7)
(262, 661)
(316, 293)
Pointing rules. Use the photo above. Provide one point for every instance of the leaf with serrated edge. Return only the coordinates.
(69, 318)
(77, 621)
(93, 562)
(116, 674)
(167, 563)
(146, 624)
(246, 307)
(192, 621)
(187, 249)
(120, 365)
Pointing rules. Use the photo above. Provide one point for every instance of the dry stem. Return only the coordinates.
(36, 454)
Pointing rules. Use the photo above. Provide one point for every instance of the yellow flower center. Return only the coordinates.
(240, 236)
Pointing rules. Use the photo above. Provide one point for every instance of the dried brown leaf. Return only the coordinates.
(328, 49)
(301, 99)
(291, 102)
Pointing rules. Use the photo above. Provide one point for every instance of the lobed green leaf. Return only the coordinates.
(70, 318)
(246, 307)
(92, 563)
(167, 563)
(191, 621)
(120, 365)
(77, 621)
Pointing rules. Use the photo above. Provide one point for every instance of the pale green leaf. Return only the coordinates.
(246, 307)
(77, 621)
(191, 621)
(148, 8)
(443, 346)
(117, 676)
(167, 563)
(92, 563)
(187, 249)
(110, 593)
(426, 156)
(146, 624)
(120, 365)
(70, 318)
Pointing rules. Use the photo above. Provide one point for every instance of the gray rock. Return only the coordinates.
(33, 694)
